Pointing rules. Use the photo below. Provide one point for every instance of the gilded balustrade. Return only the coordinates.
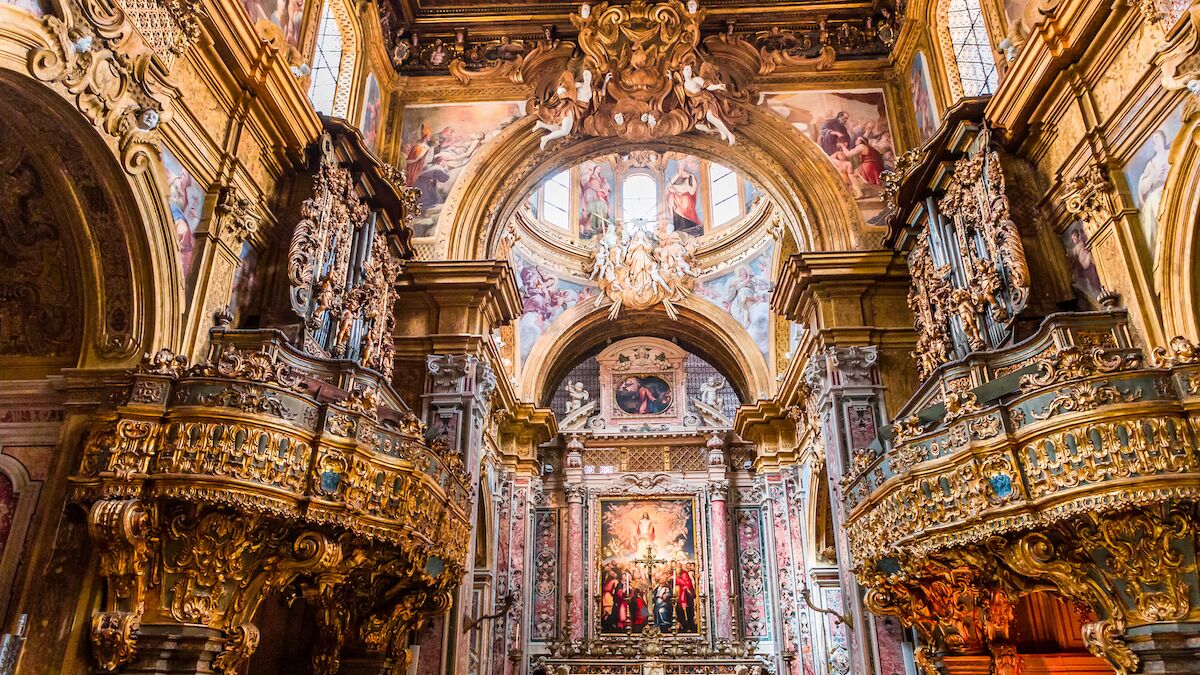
(263, 470)
(1064, 463)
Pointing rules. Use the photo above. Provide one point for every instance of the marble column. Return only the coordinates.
(456, 404)
(848, 390)
(718, 493)
(576, 583)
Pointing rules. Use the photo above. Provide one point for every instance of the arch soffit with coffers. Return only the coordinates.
(789, 168)
(101, 179)
(701, 329)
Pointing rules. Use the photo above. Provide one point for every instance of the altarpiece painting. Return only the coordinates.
(648, 565)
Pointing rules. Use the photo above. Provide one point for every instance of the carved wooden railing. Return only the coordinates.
(1063, 463)
(264, 469)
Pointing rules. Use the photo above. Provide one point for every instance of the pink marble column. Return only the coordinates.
(574, 572)
(720, 557)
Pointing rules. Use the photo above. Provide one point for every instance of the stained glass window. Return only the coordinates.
(972, 49)
(327, 62)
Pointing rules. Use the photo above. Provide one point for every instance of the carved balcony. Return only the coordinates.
(264, 470)
(1063, 463)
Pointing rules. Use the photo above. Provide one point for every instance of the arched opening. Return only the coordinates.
(966, 48)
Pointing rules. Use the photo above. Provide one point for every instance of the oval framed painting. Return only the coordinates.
(643, 395)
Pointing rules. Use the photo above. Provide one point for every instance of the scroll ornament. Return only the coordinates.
(642, 76)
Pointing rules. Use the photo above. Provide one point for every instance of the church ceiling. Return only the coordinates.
(426, 35)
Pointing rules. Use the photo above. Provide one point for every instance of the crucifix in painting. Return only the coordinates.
(648, 565)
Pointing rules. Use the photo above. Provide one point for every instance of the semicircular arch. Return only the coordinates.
(1177, 246)
(789, 167)
(118, 224)
(709, 334)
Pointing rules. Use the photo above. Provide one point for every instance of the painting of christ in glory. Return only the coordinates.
(648, 565)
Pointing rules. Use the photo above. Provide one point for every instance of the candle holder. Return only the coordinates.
(514, 655)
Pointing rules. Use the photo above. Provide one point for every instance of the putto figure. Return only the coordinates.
(642, 76)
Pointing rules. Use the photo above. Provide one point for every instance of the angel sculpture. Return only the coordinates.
(574, 98)
(703, 102)
(710, 391)
(577, 396)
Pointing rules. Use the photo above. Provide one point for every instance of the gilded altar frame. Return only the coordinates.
(649, 487)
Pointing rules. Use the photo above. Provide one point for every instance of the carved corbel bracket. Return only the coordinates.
(240, 219)
(125, 534)
(1090, 197)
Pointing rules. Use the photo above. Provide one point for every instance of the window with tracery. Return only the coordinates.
(970, 60)
(333, 61)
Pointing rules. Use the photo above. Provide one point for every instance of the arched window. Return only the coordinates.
(723, 186)
(970, 62)
(639, 198)
(556, 199)
(333, 61)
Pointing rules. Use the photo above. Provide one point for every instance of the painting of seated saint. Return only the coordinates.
(643, 395)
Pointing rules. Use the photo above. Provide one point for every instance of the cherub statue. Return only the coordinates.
(704, 104)
(710, 391)
(573, 99)
(577, 396)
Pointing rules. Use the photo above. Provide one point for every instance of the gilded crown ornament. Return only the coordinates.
(642, 77)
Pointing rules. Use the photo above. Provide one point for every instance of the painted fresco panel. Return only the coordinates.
(33, 7)
(286, 15)
(243, 283)
(745, 292)
(924, 103)
(597, 199)
(682, 194)
(1146, 172)
(372, 106)
(1084, 276)
(439, 141)
(648, 564)
(545, 295)
(185, 197)
(852, 129)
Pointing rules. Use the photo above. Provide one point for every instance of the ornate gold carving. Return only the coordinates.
(241, 219)
(124, 533)
(122, 90)
(642, 76)
(239, 647)
(346, 305)
(1085, 396)
(991, 283)
(1182, 352)
(1073, 363)
(1090, 196)
(262, 366)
